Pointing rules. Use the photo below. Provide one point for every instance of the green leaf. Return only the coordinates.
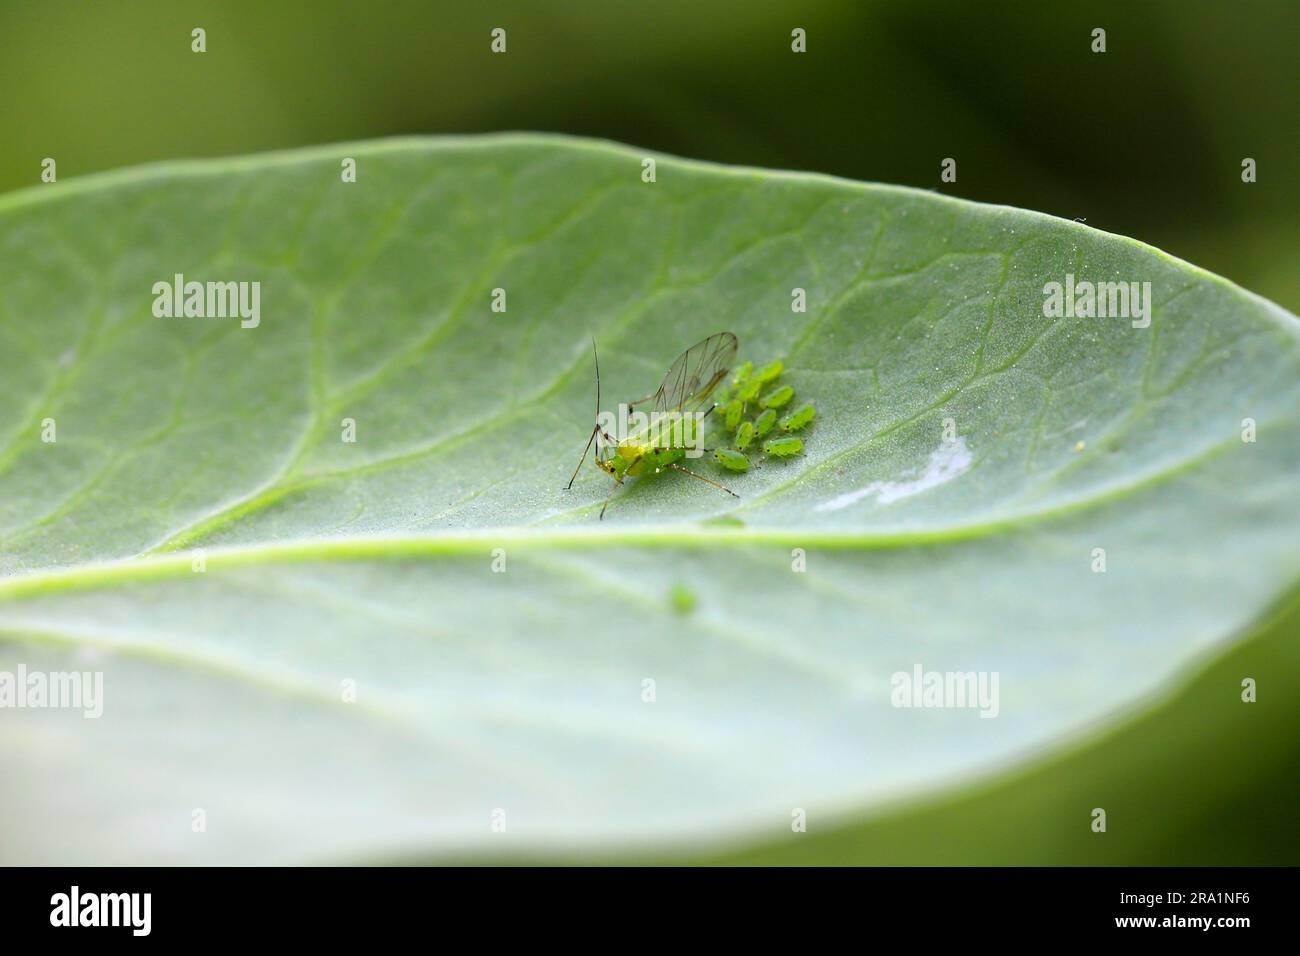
(1199, 780)
(945, 509)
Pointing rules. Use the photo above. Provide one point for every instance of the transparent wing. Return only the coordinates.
(696, 373)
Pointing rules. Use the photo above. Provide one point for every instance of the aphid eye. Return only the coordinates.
(777, 397)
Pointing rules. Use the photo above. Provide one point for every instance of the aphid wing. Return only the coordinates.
(696, 373)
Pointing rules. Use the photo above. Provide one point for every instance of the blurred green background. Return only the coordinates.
(1145, 140)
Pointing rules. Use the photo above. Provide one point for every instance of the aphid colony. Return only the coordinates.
(688, 389)
(757, 392)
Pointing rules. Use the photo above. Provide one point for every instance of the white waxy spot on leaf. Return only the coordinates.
(946, 462)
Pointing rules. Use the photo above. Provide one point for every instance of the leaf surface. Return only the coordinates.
(969, 457)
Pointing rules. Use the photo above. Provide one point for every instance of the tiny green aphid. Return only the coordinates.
(744, 435)
(733, 411)
(783, 447)
(743, 373)
(731, 460)
(684, 392)
(798, 418)
(749, 391)
(682, 599)
(770, 371)
(777, 397)
(763, 424)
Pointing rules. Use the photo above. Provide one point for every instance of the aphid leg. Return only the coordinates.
(702, 478)
(611, 495)
(617, 483)
(584, 457)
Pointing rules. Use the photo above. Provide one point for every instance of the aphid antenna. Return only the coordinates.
(715, 484)
(596, 426)
(596, 357)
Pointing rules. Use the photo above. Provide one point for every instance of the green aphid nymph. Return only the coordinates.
(683, 599)
(797, 419)
(783, 447)
(777, 397)
(770, 371)
(733, 411)
(763, 424)
(749, 391)
(744, 435)
(732, 460)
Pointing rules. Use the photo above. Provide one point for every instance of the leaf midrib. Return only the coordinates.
(480, 542)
